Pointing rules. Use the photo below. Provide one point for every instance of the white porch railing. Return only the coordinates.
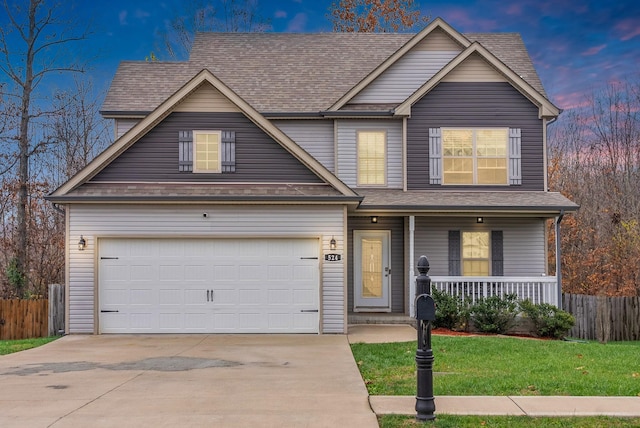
(541, 289)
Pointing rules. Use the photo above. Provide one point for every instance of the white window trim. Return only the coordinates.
(475, 158)
(195, 153)
(386, 157)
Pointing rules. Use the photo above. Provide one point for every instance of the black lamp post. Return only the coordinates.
(425, 314)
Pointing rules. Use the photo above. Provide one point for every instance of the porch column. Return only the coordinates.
(558, 260)
(412, 275)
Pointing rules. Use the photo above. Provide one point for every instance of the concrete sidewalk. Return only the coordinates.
(483, 405)
(513, 406)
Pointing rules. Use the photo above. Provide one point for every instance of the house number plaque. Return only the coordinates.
(332, 257)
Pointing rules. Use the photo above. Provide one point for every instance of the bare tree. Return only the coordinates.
(209, 15)
(371, 16)
(77, 132)
(595, 160)
(32, 46)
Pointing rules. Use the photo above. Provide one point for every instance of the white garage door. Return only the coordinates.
(208, 286)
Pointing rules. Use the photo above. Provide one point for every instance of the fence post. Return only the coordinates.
(56, 309)
(603, 319)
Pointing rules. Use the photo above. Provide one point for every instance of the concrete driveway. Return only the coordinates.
(185, 381)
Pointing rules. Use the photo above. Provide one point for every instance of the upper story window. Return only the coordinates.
(372, 158)
(475, 156)
(206, 149)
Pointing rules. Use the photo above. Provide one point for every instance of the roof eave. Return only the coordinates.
(463, 209)
(203, 199)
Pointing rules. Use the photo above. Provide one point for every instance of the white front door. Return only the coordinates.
(372, 270)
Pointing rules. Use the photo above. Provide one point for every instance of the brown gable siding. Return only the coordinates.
(475, 104)
(258, 157)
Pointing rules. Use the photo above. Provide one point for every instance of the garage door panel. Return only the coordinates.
(209, 285)
(279, 297)
(170, 297)
(225, 296)
(303, 297)
(144, 248)
(170, 321)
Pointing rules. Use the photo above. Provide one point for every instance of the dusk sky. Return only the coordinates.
(576, 46)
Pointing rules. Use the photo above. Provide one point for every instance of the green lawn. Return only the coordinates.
(450, 421)
(11, 346)
(492, 365)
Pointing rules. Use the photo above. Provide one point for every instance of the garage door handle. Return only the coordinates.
(108, 258)
(308, 310)
(308, 258)
(103, 311)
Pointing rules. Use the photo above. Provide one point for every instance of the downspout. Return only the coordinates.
(412, 275)
(558, 257)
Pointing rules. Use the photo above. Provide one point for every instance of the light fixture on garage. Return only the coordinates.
(332, 244)
(374, 219)
(479, 219)
(82, 244)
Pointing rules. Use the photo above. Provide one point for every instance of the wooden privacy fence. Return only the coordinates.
(604, 318)
(23, 319)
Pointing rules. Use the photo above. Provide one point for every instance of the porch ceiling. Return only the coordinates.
(444, 201)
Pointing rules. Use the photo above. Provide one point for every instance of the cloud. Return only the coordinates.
(628, 29)
(465, 21)
(514, 9)
(142, 14)
(280, 14)
(122, 17)
(593, 50)
(298, 23)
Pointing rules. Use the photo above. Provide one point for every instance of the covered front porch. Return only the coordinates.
(477, 244)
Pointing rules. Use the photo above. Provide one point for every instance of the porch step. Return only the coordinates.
(378, 318)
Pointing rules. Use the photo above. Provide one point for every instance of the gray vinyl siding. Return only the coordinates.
(258, 157)
(165, 221)
(404, 77)
(315, 136)
(524, 243)
(347, 151)
(123, 125)
(396, 226)
(485, 104)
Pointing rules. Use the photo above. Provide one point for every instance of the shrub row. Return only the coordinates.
(496, 314)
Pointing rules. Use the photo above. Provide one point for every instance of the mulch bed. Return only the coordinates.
(446, 332)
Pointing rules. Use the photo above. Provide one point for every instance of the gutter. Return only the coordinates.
(558, 259)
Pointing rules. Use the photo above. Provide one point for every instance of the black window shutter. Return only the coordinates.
(228, 149)
(497, 257)
(185, 151)
(454, 253)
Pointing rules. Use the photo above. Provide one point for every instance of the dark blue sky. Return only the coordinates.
(576, 46)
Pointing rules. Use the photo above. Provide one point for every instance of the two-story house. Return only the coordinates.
(289, 182)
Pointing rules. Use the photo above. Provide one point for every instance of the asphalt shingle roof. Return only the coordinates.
(284, 72)
(444, 200)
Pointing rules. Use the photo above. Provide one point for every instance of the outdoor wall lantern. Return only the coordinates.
(332, 244)
(82, 244)
(374, 219)
(479, 219)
